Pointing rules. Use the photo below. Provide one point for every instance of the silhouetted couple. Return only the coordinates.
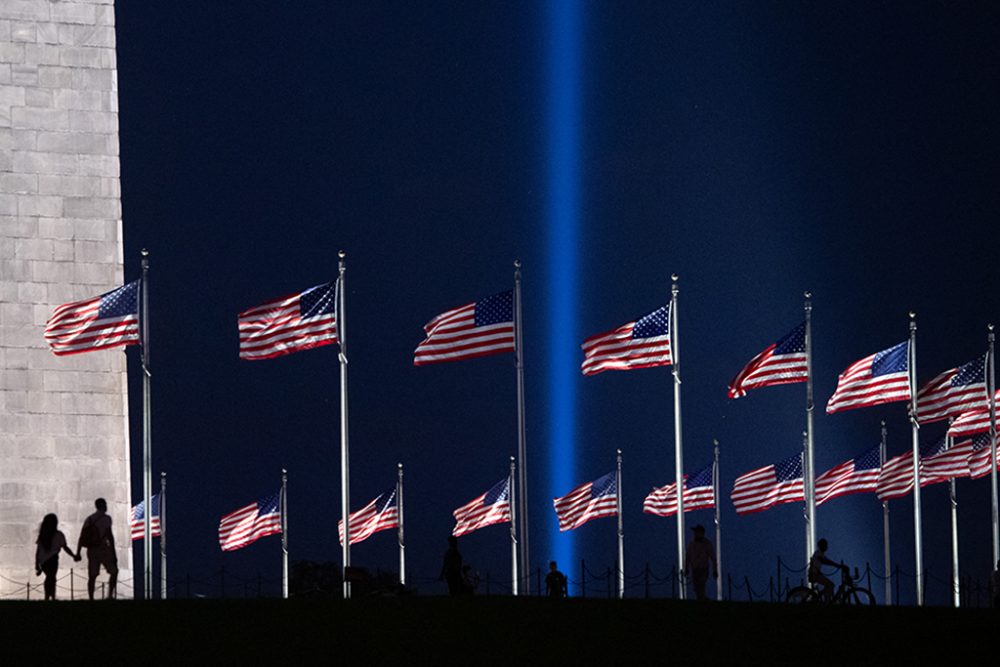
(461, 579)
(95, 535)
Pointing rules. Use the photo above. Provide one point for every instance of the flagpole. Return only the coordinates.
(284, 534)
(400, 535)
(955, 585)
(993, 449)
(345, 475)
(522, 453)
(621, 531)
(147, 437)
(163, 536)
(513, 526)
(918, 540)
(810, 481)
(718, 525)
(675, 351)
(805, 512)
(885, 525)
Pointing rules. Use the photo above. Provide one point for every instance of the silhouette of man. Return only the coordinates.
(816, 575)
(555, 582)
(100, 542)
(700, 554)
(451, 568)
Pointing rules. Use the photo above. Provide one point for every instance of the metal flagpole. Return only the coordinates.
(810, 471)
(147, 437)
(512, 477)
(345, 475)
(675, 351)
(718, 524)
(522, 452)
(621, 531)
(163, 536)
(955, 585)
(805, 507)
(993, 448)
(400, 535)
(284, 534)
(885, 525)
(918, 539)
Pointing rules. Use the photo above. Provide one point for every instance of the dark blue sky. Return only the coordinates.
(756, 150)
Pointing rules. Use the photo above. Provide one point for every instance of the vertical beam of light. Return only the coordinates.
(563, 18)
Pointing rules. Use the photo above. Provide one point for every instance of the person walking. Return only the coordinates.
(699, 556)
(49, 543)
(555, 582)
(96, 535)
(451, 568)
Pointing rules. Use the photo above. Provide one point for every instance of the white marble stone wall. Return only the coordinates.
(63, 420)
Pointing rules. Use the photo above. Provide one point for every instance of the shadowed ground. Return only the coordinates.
(493, 631)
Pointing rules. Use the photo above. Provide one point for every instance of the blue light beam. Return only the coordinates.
(563, 18)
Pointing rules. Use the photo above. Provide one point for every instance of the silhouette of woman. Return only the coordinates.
(50, 542)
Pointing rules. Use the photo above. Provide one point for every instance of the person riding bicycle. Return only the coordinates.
(816, 576)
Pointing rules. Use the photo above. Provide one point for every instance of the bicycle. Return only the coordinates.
(847, 593)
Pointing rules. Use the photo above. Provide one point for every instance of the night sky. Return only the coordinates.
(757, 150)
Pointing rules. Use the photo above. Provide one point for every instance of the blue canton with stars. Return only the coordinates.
(498, 494)
(269, 504)
(793, 342)
(980, 442)
(893, 360)
(789, 469)
(495, 309)
(970, 373)
(319, 300)
(701, 478)
(120, 302)
(657, 323)
(603, 486)
(870, 460)
(934, 448)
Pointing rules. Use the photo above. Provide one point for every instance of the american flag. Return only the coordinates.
(699, 493)
(485, 510)
(947, 463)
(979, 461)
(880, 378)
(971, 422)
(781, 363)
(592, 500)
(379, 514)
(474, 330)
(639, 344)
(137, 516)
(109, 320)
(857, 475)
(953, 392)
(248, 524)
(771, 485)
(896, 478)
(290, 324)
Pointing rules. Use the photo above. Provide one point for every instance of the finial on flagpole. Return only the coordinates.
(990, 326)
(399, 466)
(807, 294)
(883, 422)
(341, 254)
(715, 442)
(913, 320)
(144, 252)
(517, 264)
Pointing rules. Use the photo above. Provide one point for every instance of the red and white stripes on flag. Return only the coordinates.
(882, 377)
(971, 422)
(476, 329)
(108, 320)
(954, 392)
(136, 519)
(763, 488)
(592, 500)
(488, 509)
(699, 493)
(290, 324)
(937, 464)
(640, 344)
(248, 524)
(781, 363)
(380, 514)
(979, 461)
(950, 463)
(857, 475)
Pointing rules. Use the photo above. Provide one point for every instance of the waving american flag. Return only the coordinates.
(953, 392)
(290, 324)
(762, 489)
(782, 362)
(108, 320)
(640, 344)
(857, 475)
(250, 523)
(699, 493)
(882, 377)
(592, 500)
(490, 508)
(474, 330)
(380, 514)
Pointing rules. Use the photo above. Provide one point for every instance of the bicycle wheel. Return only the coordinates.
(800, 594)
(859, 596)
